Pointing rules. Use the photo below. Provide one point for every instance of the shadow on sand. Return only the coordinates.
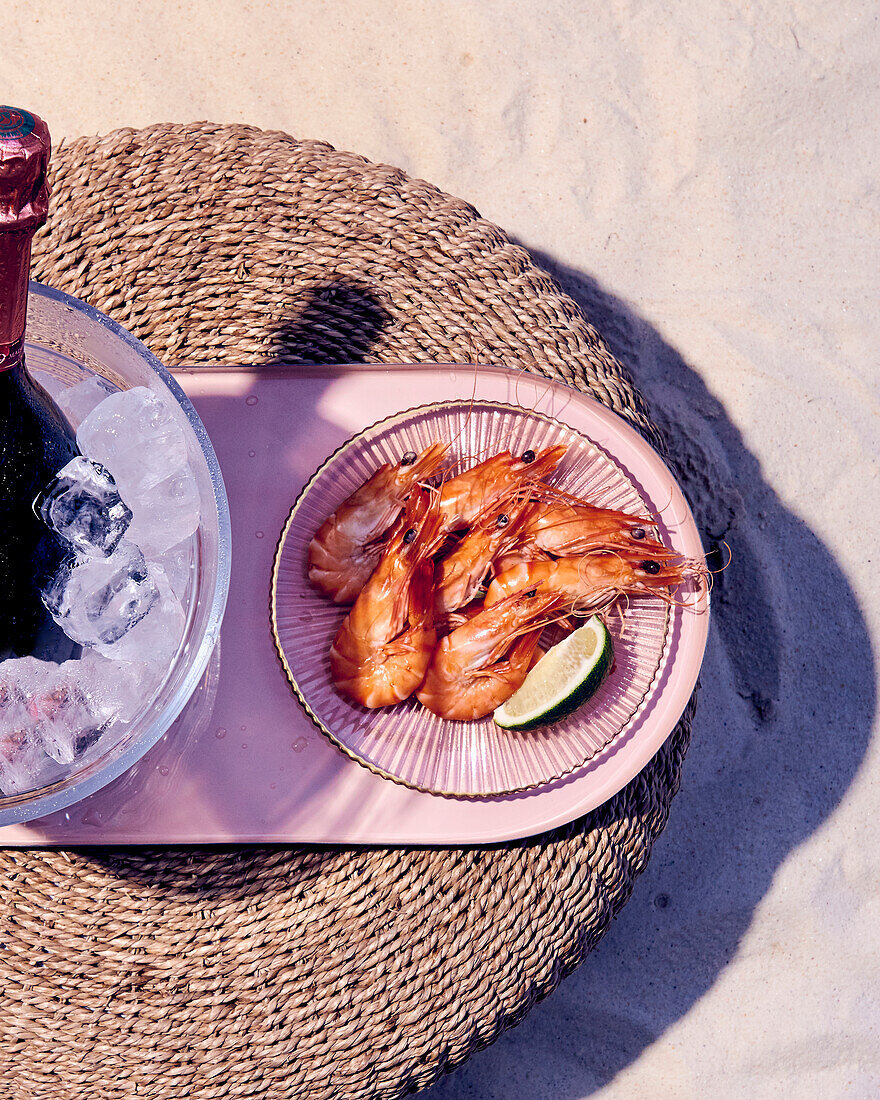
(782, 726)
(783, 723)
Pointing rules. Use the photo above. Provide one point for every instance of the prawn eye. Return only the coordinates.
(651, 566)
(408, 459)
(409, 536)
(503, 520)
(532, 594)
(528, 456)
(638, 532)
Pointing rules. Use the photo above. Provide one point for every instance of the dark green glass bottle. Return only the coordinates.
(36, 440)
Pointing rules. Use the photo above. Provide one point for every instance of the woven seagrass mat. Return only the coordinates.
(301, 973)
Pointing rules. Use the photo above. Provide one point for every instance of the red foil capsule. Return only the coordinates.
(25, 146)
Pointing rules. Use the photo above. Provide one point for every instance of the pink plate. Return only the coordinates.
(407, 742)
(244, 763)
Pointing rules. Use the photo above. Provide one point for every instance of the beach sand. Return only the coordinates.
(703, 180)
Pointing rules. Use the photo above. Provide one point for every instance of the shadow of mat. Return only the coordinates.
(784, 720)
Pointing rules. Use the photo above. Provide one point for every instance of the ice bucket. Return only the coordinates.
(67, 341)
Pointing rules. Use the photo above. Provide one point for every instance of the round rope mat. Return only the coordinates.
(303, 973)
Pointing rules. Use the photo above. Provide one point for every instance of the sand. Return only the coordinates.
(702, 178)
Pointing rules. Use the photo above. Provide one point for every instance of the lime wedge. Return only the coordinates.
(564, 678)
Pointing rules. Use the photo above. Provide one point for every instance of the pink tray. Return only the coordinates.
(244, 763)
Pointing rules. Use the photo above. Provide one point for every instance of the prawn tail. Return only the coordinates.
(348, 661)
(405, 663)
(343, 581)
(387, 675)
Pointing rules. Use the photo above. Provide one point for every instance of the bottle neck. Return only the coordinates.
(15, 261)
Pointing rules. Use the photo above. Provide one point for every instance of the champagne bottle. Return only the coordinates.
(36, 440)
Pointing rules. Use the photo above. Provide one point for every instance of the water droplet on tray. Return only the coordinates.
(220, 734)
(251, 400)
(163, 770)
(260, 534)
(299, 744)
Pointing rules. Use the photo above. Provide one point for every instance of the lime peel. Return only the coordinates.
(562, 680)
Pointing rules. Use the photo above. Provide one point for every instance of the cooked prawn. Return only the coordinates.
(461, 572)
(470, 494)
(594, 581)
(481, 664)
(568, 526)
(382, 649)
(348, 545)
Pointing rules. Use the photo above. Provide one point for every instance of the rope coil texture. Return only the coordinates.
(303, 973)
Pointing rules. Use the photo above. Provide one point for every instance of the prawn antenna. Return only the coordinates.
(474, 365)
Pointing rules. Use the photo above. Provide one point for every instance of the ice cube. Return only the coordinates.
(179, 566)
(76, 402)
(12, 695)
(96, 601)
(138, 437)
(142, 442)
(166, 514)
(21, 754)
(66, 721)
(115, 688)
(156, 637)
(21, 760)
(52, 716)
(84, 506)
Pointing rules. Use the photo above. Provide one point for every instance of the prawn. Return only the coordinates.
(564, 526)
(348, 544)
(470, 494)
(481, 663)
(460, 574)
(593, 582)
(382, 649)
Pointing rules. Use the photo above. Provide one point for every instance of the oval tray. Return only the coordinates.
(245, 763)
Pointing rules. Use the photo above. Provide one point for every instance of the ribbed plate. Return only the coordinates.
(407, 743)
